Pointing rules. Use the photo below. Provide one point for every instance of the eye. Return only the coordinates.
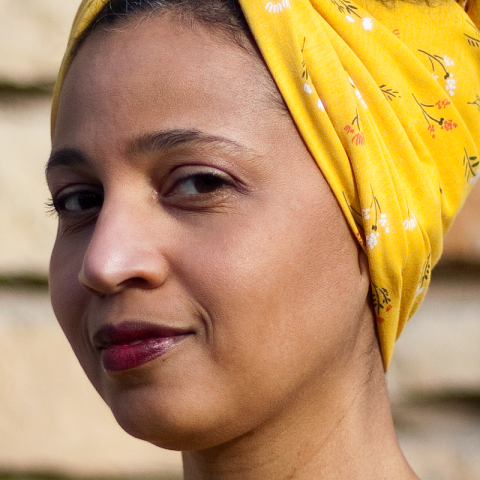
(201, 183)
(77, 201)
(200, 188)
(198, 181)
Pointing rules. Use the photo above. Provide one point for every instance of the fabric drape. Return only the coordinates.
(387, 99)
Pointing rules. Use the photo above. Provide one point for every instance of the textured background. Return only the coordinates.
(51, 420)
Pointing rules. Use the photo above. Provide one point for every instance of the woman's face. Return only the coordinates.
(202, 271)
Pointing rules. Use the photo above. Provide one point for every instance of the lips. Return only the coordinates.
(132, 344)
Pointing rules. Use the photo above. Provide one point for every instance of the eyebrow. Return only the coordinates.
(164, 140)
(175, 138)
(66, 157)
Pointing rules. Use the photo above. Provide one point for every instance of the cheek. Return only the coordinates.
(69, 299)
(65, 264)
(281, 288)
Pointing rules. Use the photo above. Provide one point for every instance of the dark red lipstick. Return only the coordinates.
(131, 344)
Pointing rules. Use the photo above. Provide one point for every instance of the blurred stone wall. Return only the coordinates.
(33, 34)
(50, 417)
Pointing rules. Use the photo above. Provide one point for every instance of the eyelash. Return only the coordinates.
(212, 183)
(58, 204)
(51, 211)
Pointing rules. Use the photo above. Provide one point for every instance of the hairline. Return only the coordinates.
(241, 39)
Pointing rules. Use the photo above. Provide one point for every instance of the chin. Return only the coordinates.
(161, 434)
(183, 423)
(179, 436)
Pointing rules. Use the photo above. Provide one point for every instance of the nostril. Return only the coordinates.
(90, 284)
(91, 290)
(139, 282)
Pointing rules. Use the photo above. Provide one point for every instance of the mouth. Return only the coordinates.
(132, 344)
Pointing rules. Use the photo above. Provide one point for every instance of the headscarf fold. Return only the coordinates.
(387, 99)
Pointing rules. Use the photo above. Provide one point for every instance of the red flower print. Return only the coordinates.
(389, 307)
(360, 239)
(431, 120)
(449, 125)
(380, 319)
(443, 103)
(431, 129)
(358, 139)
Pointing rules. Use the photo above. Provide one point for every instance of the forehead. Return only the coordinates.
(157, 62)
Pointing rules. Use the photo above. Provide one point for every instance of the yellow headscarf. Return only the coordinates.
(387, 99)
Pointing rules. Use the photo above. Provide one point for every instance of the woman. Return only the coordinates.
(225, 296)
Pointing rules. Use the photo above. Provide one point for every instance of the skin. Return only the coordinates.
(281, 375)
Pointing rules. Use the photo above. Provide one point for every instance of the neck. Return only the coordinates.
(347, 434)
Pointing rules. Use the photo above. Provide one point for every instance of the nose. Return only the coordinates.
(123, 252)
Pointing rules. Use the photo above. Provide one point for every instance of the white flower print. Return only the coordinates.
(451, 85)
(410, 223)
(320, 105)
(367, 24)
(307, 88)
(371, 239)
(384, 222)
(349, 19)
(448, 61)
(425, 278)
(365, 213)
(358, 94)
(440, 66)
(475, 177)
(277, 7)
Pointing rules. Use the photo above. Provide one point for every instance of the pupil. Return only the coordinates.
(207, 183)
(88, 200)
